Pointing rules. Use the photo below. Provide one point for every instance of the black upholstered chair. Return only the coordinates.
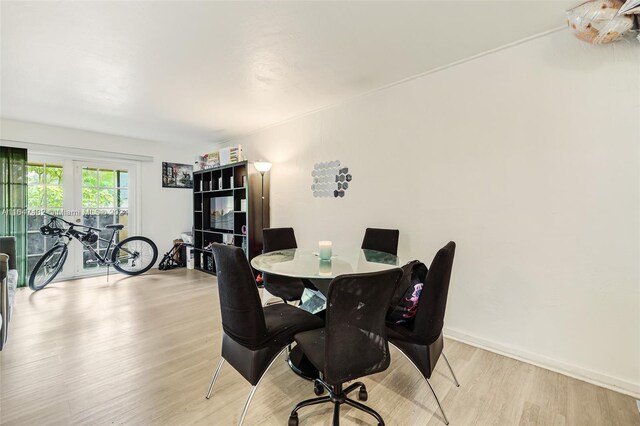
(253, 336)
(421, 340)
(286, 288)
(385, 240)
(353, 343)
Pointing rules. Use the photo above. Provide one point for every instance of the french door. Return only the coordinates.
(103, 191)
(47, 191)
(91, 193)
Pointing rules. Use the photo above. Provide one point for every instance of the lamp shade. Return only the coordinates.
(262, 166)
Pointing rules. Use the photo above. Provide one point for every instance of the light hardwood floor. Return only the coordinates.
(142, 350)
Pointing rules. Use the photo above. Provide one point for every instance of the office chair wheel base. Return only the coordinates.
(293, 420)
(318, 389)
(362, 394)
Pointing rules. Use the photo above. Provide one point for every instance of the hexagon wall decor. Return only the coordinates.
(330, 180)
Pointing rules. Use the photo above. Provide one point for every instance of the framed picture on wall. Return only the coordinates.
(176, 175)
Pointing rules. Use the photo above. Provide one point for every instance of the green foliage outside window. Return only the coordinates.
(89, 198)
(107, 198)
(107, 179)
(35, 197)
(35, 174)
(53, 175)
(44, 189)
(89, 177)
(55, 197)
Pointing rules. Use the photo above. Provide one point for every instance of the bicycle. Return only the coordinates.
(131, 256)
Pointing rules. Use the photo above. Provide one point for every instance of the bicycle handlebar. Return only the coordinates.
(91, 228)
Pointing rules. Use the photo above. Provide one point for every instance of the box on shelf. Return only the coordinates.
(190, 259)
(200, 163)
(212, 159)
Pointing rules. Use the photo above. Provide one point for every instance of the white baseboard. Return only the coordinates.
(598, 379)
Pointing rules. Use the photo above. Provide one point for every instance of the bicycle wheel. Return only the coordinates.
(134, 255)
(48, 267)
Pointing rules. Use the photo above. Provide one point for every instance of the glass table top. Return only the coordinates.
(303, 263)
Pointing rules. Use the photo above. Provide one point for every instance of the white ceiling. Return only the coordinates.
(207, 71)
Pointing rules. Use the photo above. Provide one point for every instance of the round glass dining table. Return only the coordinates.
(317, 274)
(306, 264)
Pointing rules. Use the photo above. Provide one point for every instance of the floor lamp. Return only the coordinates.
(262, 167)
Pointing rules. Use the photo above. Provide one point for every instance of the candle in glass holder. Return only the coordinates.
(324, 269)
(325, 250)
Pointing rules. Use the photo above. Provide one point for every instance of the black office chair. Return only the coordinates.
(421, 341)
(253, 336)
(353, 343)
(286, 288)
(385, 240)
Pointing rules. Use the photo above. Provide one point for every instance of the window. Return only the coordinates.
(44, 193)
(105, 201)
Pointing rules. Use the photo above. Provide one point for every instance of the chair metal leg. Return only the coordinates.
(366, 409)
(444, 416)
(246, 404)
(253, 388)
(353, 387)
(446, 422)
(215, 377)
(336, 415)
(309, 402)
(455, 379)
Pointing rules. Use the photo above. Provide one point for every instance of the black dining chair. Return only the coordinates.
(253, 337)
(385, 240)
(353, 342)
(421, 341)
(286, 288)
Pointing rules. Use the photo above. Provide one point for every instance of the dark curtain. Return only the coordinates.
(13, 203)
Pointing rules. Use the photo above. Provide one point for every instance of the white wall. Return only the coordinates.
(528, 158)
(165, 212)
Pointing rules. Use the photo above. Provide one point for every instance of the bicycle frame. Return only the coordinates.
(102, 260)
(71, 233)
